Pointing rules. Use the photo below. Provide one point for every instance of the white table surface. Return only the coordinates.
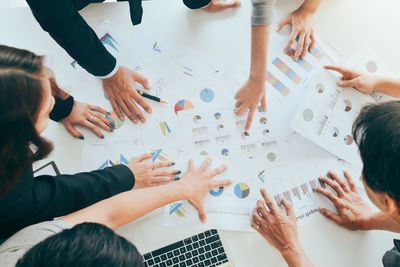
(347, 24)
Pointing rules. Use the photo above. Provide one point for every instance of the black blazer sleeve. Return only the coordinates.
(62, 108)
(34, 200)
(195, 4)
(60, 18)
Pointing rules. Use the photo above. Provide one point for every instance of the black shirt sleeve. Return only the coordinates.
(62, 108)
(60, 18)
(392, 257)
(45, 197)
(195, 4)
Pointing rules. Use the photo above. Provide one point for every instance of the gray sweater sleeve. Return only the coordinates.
(262, 13)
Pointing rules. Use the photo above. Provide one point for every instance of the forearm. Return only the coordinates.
(128, 206)
(296, 257)
(64, 103)
(310, 5)
(389, 86)
(57, 91)
(382, 221)
(259, 48)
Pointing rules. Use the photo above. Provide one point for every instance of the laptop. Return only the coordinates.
(200, 250)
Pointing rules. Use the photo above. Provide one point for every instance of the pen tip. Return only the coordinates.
(163, 101)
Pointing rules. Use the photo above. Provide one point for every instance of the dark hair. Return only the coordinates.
(86, 244)
(21, 97)
(376, 130)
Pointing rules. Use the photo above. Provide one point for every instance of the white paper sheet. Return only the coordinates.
(327, 111)
(227, 208)
(294, 183)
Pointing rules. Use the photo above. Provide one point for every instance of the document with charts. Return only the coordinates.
(230, 208)
(227, 208)
(286, 81)
(326, 113)
(294, 182)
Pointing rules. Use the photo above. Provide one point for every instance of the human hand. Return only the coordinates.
(121, 93)
(146, 174)
(365, 83)
(196, 183)
(248, 97)
(220, 5)
(302, 21)
(353, 212)
(278, 229)
(87, 116)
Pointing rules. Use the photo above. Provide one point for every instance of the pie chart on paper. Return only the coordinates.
(207, 95)
(183, 105)
(242, 190)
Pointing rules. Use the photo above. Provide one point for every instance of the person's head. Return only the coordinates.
(376, 130)
(25, 103)
(86, 244)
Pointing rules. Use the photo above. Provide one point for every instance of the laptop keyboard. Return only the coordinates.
(204, 249)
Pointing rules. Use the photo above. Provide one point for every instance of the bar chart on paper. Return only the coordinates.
(301, 62)
(295, 184)
(277, 84)
(285, 69)
(318, 54)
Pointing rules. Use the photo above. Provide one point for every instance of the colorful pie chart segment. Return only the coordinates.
(225, 152)
(347, 105)
(216, 192)
(263, 120)
(320, 88)
(348, 140)
(242, 190)
(183, 105)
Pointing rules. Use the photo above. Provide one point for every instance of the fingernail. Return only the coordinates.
(143, 120)
(108, 113)
(102, 136)
(81, 137)
(173, 163)
(111, 129)
(177, 178)
(112, 124)
(178, 172)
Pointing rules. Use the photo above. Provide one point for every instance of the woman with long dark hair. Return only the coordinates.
(26, 104)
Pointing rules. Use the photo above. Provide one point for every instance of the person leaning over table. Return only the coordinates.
(26, 103)
(377, 133)
(60, 18)
(85, 237)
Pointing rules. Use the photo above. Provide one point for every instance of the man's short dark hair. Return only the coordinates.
(85, 245)
(377, 133)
